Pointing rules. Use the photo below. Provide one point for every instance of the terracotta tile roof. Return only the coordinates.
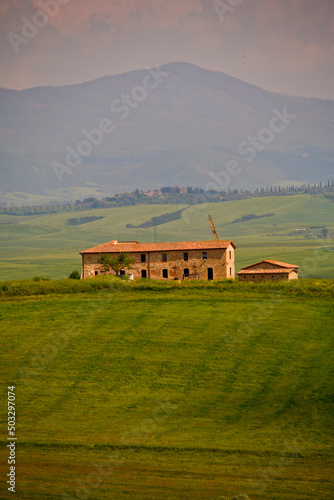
(134, 246)
(281, 264)
(273, 262)
(281, 268)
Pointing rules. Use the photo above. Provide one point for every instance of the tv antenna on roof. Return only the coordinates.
(155, 230)
(213, 228)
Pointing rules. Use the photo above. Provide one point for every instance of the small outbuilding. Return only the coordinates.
(269, 270)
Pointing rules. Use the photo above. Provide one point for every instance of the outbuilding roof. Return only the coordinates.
(115, 246)
(279, 268)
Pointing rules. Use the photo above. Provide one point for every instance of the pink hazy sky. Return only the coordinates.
(285, 46)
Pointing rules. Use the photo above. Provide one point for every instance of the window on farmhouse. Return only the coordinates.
(143, 273)
(164, 257)
(96, 273)
(205, 255)
(165, 273)
(230, 271)
(230, 254)
(143, 257)
(122, 273)
(186, 273)
(185, 256)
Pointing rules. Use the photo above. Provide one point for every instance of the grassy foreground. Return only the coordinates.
(160, 390)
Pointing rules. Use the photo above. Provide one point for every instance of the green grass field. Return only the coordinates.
(154, 390)
(48, 246)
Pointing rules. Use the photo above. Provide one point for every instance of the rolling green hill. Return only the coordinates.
(154, 391)
(48, 245)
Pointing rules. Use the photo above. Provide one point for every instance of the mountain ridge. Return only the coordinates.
(184, 131)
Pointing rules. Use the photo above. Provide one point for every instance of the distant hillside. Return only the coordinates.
(294, 233)
(181, 132)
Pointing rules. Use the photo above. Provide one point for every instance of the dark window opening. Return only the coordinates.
(164, 257)
(230, 254)
(143, 273)
(205, 255)
(186, 273)
(210, 273)
(122, 272)
(230, 271)
(185, 256)
(165, 273)
(96, 273)
(143, 257)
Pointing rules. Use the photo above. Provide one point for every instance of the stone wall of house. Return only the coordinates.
(268, 277)
(221, 261)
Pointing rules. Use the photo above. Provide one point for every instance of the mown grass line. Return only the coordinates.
(164, 449)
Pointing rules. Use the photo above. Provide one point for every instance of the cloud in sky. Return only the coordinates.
(285, 46)
(76, 15)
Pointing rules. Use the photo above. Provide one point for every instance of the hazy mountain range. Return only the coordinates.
(179, 125)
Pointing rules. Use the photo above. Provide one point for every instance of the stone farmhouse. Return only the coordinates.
(269, 270)
(207, 260)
